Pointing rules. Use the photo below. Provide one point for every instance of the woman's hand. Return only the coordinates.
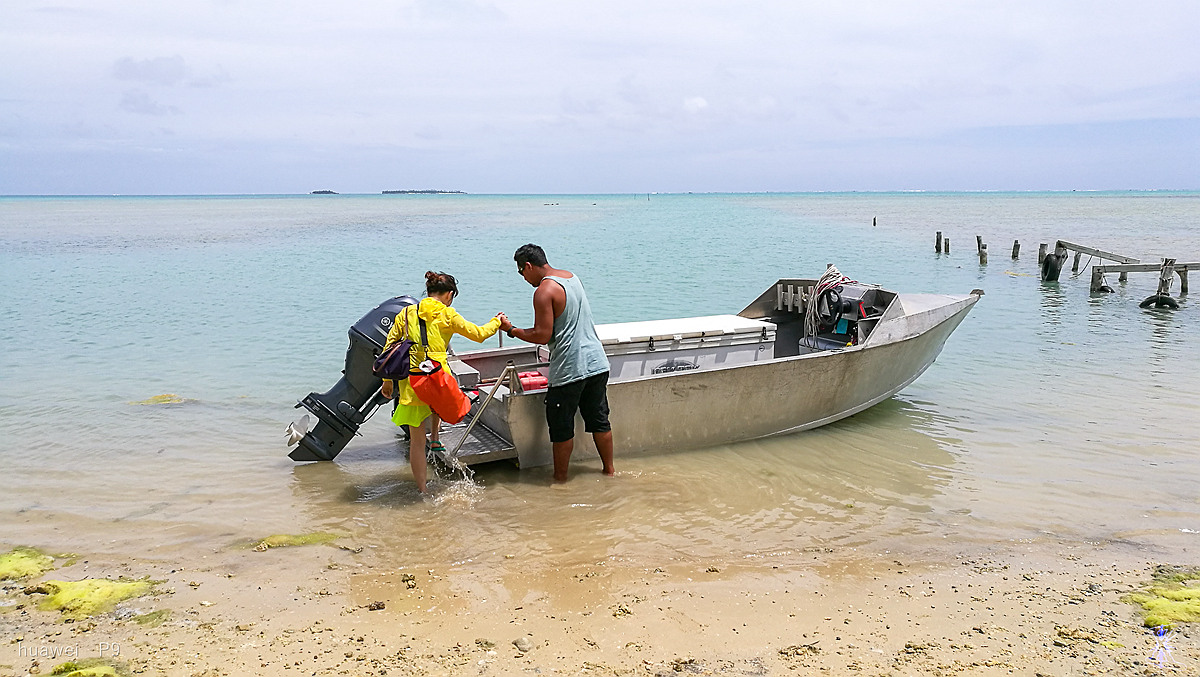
(387, 388)
(505, 325)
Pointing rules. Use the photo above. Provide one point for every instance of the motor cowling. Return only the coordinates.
(342, 409)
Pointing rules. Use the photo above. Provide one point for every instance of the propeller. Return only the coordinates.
(297, 429)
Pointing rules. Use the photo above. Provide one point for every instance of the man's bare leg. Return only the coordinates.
(562, 457)
(604, 445)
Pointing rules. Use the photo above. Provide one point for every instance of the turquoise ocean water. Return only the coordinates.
(1051, 415)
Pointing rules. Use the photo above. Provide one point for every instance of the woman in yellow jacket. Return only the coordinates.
(441, 323)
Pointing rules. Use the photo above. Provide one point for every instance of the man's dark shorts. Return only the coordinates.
(589, 396)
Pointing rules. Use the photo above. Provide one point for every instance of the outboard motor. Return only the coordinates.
(343, 408)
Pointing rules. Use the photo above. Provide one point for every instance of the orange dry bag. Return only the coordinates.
(438, 388)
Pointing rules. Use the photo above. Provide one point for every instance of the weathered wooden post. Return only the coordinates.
(937, 243)
(1041, 253)
(1052, 263)
(1098, 284)
(1182, 273)
(1163, 299)
(947, 243)
(1075, 264)
(983, 254)
(1166, 276)
(1016, 249)
(978, 242)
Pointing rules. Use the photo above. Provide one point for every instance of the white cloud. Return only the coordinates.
(139, 102)
(552, 87)
(163, 70)
(458, 10)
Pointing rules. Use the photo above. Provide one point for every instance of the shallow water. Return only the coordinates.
(1050, 414)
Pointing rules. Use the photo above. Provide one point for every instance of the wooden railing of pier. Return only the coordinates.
(1181, 269)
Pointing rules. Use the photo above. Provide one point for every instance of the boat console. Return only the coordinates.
(847, 313)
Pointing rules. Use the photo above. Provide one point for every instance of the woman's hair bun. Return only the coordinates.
(440, 282)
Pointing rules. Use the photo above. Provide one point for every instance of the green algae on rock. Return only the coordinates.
(291, 540)
(1172, 596)
(153, 619)
(91, 596)
(24, 563)
(90, 667)
(165, 398)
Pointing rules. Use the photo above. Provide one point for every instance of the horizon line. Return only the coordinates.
(452, 194)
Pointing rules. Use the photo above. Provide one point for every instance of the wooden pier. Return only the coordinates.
(1181, 269)
(1051, 265)
(1080, 250)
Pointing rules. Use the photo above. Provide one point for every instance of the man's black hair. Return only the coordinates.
(530, 253)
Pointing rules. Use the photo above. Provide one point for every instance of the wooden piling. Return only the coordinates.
(978, 243)
(1061, 252)
(1165, 276)
(947, 243)
(1042, 252)
(1182, 280)
(1016, 249)
(937, 243)
(1075, 263)
(983, 254)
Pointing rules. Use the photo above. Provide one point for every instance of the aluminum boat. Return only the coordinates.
(805, 353)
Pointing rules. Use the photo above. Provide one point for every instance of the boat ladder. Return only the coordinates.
(469, 442)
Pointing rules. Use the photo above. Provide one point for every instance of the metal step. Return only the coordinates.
(482, 446)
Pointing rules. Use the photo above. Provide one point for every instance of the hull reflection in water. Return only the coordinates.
(877, 478)
(805, 353)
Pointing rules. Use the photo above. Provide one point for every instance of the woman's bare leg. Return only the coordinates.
(416, 453)
(436, 426)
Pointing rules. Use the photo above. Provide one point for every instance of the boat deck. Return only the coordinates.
(481, 446)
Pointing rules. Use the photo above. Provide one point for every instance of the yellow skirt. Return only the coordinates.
(410, 410)
(411, 414)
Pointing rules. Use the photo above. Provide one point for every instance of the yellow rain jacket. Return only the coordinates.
(441, 323)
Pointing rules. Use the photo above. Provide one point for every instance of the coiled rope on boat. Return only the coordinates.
(829, 280)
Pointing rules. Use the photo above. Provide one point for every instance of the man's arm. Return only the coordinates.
(548, 295)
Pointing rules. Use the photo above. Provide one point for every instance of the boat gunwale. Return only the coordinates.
(970, 298)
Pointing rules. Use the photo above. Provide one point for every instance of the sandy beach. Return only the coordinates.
(1038, 608)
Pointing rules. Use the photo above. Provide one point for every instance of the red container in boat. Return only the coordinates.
(532, 380)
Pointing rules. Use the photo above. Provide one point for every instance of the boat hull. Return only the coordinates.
(694, 409)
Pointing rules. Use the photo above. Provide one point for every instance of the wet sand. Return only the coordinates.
(1034, 608)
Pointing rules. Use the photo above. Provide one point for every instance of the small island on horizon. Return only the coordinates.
(423, 192)
(323, 192)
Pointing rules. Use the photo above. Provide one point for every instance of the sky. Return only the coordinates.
(619, 96)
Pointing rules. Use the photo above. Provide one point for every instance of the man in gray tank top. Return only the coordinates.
(562, 320)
